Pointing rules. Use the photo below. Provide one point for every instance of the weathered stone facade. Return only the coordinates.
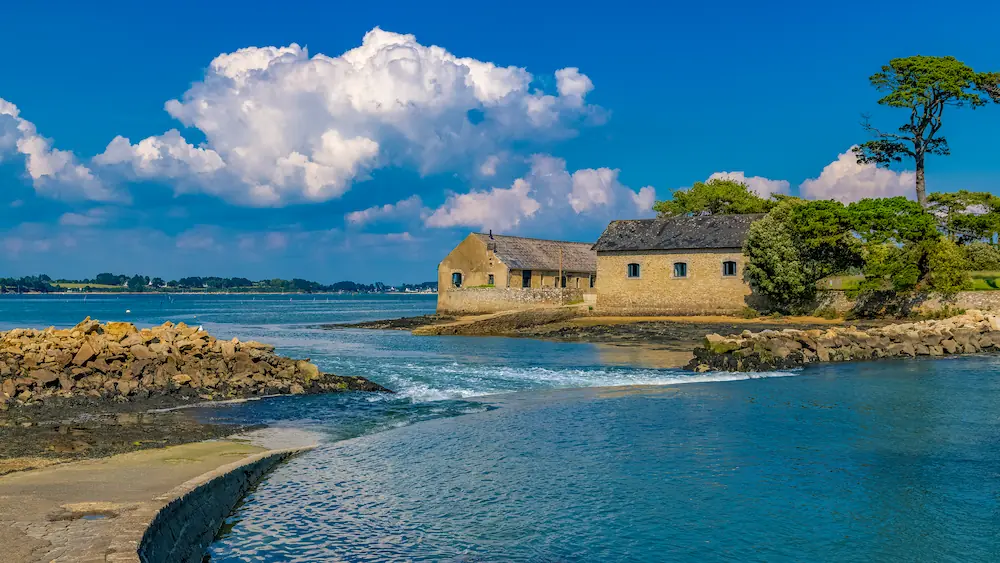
(486, 274)
(495, 299)
(680, 265)
(704, 290)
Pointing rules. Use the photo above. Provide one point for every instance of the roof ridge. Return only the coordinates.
(534, 238)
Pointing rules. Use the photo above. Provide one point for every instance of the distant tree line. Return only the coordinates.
(109, 282)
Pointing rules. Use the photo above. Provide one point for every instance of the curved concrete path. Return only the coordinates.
(97, 510)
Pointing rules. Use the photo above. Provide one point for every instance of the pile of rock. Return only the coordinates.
(118, 361)
(769, 349)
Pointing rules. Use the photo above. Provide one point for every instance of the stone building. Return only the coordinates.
(488, 273)
(686, 265)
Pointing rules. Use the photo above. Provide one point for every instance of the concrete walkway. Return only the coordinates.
(90, 511)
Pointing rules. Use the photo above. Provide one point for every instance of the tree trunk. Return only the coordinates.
(921, 184)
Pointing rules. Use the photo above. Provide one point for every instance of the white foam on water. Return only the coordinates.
(462, 382)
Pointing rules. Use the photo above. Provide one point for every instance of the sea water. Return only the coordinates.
(500, 449)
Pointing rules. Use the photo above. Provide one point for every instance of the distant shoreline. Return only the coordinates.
(208, 293)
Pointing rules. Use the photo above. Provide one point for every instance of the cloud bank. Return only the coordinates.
(549, 192)
(53, 173)
(281, 126)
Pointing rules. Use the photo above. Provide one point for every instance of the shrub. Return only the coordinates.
(828, 313)
(947, 273)
(749, 313)
(981, 256)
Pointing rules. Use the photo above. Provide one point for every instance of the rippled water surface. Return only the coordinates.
(888, 461)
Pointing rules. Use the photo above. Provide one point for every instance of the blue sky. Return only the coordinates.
(248, 156)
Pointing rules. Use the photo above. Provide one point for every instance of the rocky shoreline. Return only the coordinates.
(118, 362)
(96, 389)
(768, 350)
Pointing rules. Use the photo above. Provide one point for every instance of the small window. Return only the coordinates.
(456, 279)
(562, 283)
(729, 268)
(633, 270)
(526, 278)
(680, 269)
(489, 280)
(593, 280)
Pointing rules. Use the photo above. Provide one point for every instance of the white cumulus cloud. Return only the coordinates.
(281, 126)
(764, 187)
(845, 180)
(412, 206)
(548, 192)
(53, 172)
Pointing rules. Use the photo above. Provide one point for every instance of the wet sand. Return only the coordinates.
(70, 430)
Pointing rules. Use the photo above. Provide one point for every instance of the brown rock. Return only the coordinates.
(950, 346)
(116, 332)
(100, 365)
(308, 370)
(43, 376)
(131, 340)
(181, 379)
(141, 352)
(84, 354)
(7, 388)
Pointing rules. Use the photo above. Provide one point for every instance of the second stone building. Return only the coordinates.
(684, 265)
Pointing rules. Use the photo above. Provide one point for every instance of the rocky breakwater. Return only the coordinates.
(768, 350)
(117, 361)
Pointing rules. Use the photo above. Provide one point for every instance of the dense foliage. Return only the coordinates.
(714, 197)
(924, 87)
(898, 245)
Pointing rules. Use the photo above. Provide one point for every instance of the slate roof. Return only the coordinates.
(677, 233)
(521, 253)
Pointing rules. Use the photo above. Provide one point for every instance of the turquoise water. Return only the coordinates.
(888, 461)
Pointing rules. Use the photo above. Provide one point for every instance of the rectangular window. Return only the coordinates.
(593, 280)
(680, 269)
(562, 282)
(526, 278)
(729, 268)
(456, 279)
(489, 280)
(633, 270)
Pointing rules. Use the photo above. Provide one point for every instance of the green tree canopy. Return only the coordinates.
(966, 216)
(894, 220)
(774, 267)
(924, 86)
(717, 197)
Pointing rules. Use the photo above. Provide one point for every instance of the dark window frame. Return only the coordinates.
(525, 279)
(490, 280)
(456, 279)
(629, 271)
(683, 268)
(725, 269)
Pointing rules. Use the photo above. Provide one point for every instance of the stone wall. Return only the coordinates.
(979, 300)
(495, 299)
(705, 290)
(184, 528)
